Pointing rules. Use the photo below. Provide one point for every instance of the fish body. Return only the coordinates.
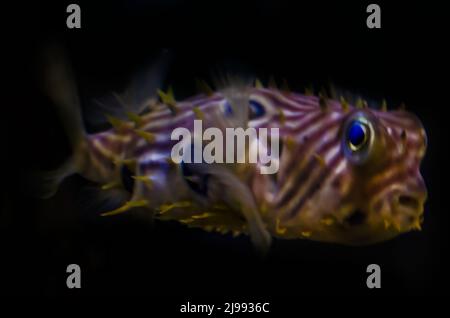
(347, 173)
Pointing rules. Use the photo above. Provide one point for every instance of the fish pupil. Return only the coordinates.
(256, 109)
(228, 109)
(357, 135)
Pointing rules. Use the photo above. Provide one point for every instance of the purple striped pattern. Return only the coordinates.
(315, 133)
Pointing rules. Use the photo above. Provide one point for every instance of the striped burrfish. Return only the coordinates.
(347, 173)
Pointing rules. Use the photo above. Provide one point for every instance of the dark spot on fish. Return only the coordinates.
(274, 176)
(357, 217)
(403, 134)
(409, 201)
(281, 148)
(322, 102)
(196, 181)
(126, 177)
(377, 207)
(410, 219)
(336, 183)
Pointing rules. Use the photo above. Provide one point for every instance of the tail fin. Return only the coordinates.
(59, 86)
(61, 89)
(46, 183)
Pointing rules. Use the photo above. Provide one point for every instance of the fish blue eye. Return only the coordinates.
(357, 135)
(256, 110)
(227, 109)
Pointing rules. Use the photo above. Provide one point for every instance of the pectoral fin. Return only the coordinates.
(229, 188)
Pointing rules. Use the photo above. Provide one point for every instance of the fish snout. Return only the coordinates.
(408, 208)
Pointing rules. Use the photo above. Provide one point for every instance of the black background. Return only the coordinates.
(126, 261)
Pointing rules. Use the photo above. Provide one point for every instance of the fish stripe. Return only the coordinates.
(315, 186)
(306, 168)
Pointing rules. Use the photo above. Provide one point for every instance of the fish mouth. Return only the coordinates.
(357, 228)
(409, 202)
(378, 221)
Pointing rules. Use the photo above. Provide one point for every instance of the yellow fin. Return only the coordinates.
(327, 221)
(359, 103)
(167, 207)
(130, 163)
(202, 216)
(320, 159)
(279, 229)
(417, 224)
(309, 91)
(306, 233)
(263, 208)
(115, 122)
(332, 90)
(396, 225)
(135, 118)
(127, 206)
(258, 84)
(383, 105)
(204, 87)
(290, 143)
(168, 99)
(285, 87)
(282, 116)
(198, 113)
(144, 179)
(110, 185)
(220, 206)
(236, 233)
(186, 221)
(149, 137)
(272, 83)
(323, 102)
(344, 104)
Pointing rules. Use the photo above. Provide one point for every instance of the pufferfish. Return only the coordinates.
(347, 174)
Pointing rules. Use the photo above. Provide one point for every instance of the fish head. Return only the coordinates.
(355, 180)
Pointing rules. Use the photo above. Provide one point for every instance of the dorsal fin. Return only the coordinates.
(272, 83)
(258, 83)
(344, 104)
(309, 90)
(203, 87)
(168, 99)
(384, 105)
(285, 86)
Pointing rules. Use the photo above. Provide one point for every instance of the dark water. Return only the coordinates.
(124, 260)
